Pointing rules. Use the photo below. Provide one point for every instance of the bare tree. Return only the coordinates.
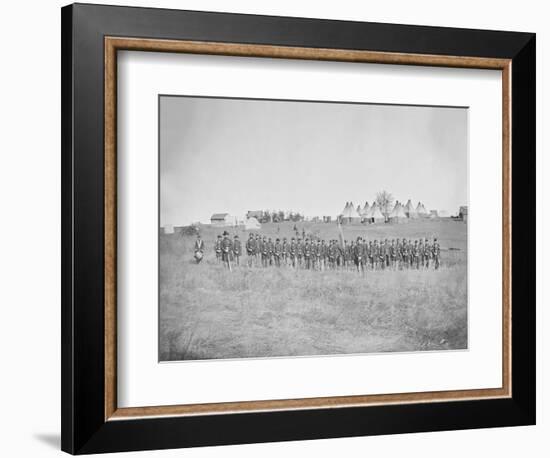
(384, 200)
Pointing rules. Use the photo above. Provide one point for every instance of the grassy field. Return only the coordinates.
(208, 312)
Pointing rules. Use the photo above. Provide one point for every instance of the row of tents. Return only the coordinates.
(374, 214)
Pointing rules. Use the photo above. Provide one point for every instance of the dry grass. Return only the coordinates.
(208, 312)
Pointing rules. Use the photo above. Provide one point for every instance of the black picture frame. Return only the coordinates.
(84, 428)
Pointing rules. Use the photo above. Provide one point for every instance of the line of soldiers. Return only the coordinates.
(319, 255)
(360, 254)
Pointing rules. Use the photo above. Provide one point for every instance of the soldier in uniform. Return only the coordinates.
(318, 255)
(405, 254)
(284, 248)
(347, 255)
(370, 254)
(398, 254)
(323, 258)
(361, 246)
(199, 249)
(307, 254)
(376, 254)
(218, 248)
(293, 252)
(411, 256)
(250, 249)
(351, 255)
(427, 253)
(277, 252)
(436, 252)
(258, 250)
(299, 252)
(237, 249)
(264, 251)
(332, 254)
(416, 255)
(270, 251)
(358, 256)
(393, 255)
(226, 247)
(339, 255)
(382, 256)
(421, 251)
(388, 254)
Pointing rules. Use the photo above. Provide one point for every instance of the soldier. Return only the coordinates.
(427, 253)
(270, 251)
(398, 252)
(284, 252)
(323, 255)
(332, 255)
(237, 249)
(293, 252)
(318, 255)
(199, 249)
(382, 258)
(376, 254)
(421, 251)
(358, 256)
(364, 255)
(218, 248)
(258, 250)
(352, 253)
(436, 252)
(264, 248)
(416, 255)
(370, 254)
(405, 254)
(393, 255)
(226, 247)
(277, 252)
(299, 252)
(347, 255)
(339, 255)
(307, 254)
(250, 249)
(387, 252)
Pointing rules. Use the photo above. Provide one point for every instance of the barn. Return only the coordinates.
(222, 220)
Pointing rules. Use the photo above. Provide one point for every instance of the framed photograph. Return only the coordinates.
(282, 228)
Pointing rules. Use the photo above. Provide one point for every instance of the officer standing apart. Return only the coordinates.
(199, 249)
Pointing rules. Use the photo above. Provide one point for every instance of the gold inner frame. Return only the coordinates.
(114, 44)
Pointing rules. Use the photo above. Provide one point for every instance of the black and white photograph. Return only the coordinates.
(306, 228)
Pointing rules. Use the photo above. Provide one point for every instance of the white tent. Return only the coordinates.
(252, 224)
(421, 210)
(350, 215)
(410, 211)
(398, 214)
(365, 210)
(375, 215)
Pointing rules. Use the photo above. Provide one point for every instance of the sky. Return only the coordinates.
(233, 155)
